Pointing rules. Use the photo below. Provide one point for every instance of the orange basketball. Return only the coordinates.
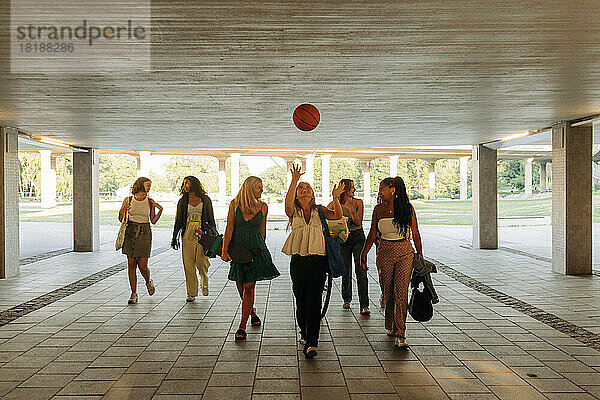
(306, 117)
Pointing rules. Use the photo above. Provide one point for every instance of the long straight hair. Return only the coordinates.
(401, 205)
(346, 184)
(245, 199)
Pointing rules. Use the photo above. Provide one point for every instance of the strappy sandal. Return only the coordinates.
(240, 334)
(255, 321)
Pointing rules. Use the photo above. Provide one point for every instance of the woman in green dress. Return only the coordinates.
(247, 226)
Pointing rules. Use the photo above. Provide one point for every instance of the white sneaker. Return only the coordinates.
(204, 291)
(401, 342)
(133, 298)
(190, 298)
(150, 287)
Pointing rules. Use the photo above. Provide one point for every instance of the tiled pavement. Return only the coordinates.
(92, 345)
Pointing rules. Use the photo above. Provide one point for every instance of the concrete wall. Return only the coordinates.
(9, 203)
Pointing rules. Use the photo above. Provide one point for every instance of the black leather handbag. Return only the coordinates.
(213, 246)
(420, 307)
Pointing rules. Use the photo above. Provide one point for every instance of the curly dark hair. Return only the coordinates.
(402, 208)
(138, 185)
(195, 186)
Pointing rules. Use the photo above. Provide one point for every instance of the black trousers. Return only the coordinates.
(308, 279)
(349, 250)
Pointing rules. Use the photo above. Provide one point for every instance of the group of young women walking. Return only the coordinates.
(393, 226)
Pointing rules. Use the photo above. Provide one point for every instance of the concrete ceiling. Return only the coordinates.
(382, 73)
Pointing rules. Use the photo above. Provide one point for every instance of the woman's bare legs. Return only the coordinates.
(240, 288)
(142, 263)
(247, 303)
(131, 272)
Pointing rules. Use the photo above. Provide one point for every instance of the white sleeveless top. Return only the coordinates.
(194, 213)
(389, 231)
(139, 211)
(305, 239)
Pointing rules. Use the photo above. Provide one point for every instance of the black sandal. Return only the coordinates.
(240, 334)
(255, 321)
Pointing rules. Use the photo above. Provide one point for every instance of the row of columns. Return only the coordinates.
(48, 175)
(571, 198)
(545, 167)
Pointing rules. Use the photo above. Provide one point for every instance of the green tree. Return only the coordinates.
(116, 170)
(511, 174)
(274, 179)
(202, 167)
(64, 176)
(447, 177)
(29, 174)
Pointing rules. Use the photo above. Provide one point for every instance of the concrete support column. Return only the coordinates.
(485, 198)
(431, 173)
(529, 176)
(288, 174)
(222, 181)
(309, 175)
(86, 208)
(9, 203)
(572, 199)
(549, 175)
(543, 185)
(48, 178)
(325, 161)
(235, 173)
(367, 182)
(144, 164)
(464, 168)
(394, 166)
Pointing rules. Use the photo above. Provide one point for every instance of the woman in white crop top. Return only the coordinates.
(306, 245)
(394, 222)
(141, 211)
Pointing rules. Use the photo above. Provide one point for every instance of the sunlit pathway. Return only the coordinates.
(91, 344)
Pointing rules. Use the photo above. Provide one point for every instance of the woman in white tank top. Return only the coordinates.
(394, 222)
(140, 210)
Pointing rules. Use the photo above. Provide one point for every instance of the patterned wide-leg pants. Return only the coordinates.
(394, 263)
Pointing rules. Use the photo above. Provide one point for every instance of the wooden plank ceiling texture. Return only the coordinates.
(382, 73)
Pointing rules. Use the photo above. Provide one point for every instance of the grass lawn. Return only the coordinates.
(438, 212)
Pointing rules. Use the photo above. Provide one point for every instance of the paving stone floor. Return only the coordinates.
(92, 345)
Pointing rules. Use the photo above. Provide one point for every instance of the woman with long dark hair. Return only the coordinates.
(395, 222)
(306, 246)
(353, 209)
(194, 215)
(141, 211)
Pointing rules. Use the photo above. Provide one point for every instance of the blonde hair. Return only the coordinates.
(245, 199)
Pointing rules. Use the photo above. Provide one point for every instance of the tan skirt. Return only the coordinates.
(138, 240)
